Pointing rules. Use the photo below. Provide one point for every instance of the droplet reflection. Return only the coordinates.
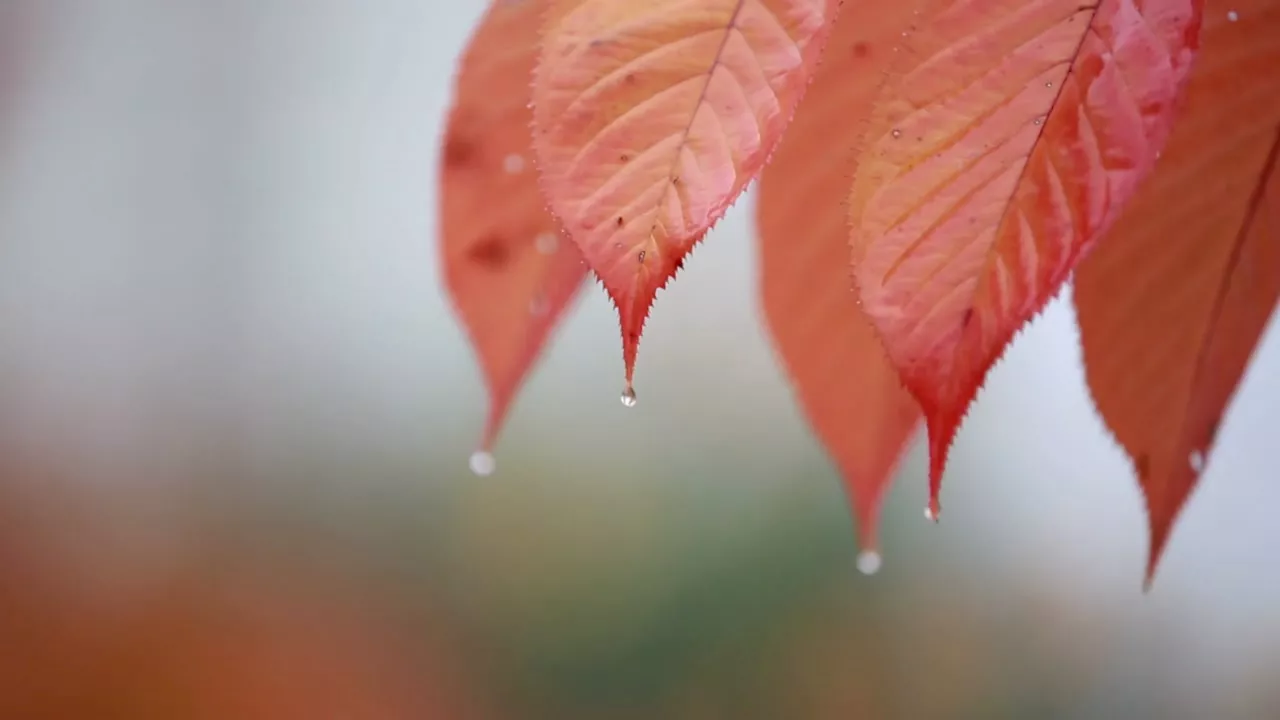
(1197, 461)
(869, 562)
(482, 463)
(546, 243)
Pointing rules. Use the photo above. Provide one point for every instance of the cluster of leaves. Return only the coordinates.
(951, 165)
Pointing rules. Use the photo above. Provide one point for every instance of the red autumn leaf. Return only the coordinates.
(509, 271)
(1172, 303)
(651, 117)
(849, 391)
(1008, 136)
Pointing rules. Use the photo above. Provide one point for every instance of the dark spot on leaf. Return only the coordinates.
(624, 157)
(861, 49)
(968, 318)
(630, 78)
(620, 222)
(490, 251)
(458, 151)
(1191, 35)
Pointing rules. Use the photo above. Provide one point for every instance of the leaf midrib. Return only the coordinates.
(729, 29)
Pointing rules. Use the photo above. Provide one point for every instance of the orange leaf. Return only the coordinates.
(651, 117)
(509, 271)
(1172, 304)
(850, 393)
(1008, 135)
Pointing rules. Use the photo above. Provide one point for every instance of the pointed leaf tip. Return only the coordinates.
(510, 273)
(650, 118)
(850, 395)
(1172, 303)
(1007, 136)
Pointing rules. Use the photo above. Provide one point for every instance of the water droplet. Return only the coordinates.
(629, 397)
(1232, 16)
(546, 243)
(513, 163)
(482, 463)
(539, 305)
(1049, 84)
(896, 133)
(1197, 461)
(930, 514)
(1039, 120)
(869, 562)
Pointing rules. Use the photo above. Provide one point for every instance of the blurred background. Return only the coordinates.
(236, 412)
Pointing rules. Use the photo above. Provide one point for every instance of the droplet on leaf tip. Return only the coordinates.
(931, 513)
(482, 463)
(869, 562)
(629, 397)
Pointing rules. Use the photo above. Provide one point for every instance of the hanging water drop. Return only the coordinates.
(1197, 461)
(482, 463)
(869, 562)
(931, 514)
(629, 397)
